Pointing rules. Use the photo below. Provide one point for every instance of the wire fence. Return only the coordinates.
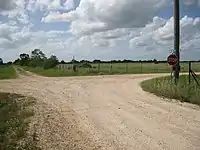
(114, 68)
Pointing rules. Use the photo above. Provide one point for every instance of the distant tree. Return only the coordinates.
(38, 54)
(17, 62)
(37, 58)
(9, 63)
(96, 61)
(51, 62)
(1, 61)
(24, 59)
(74, 61)
(83, 61)
(85, 65)
(114, 61)
(127, 61)
(62, 62)
(155, 61)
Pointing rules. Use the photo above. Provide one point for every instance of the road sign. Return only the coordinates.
(172, 59)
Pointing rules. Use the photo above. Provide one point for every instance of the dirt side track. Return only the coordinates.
(106, 112)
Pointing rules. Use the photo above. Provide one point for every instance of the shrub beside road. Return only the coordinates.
(14, 121)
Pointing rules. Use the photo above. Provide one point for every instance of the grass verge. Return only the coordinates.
(54, 72)
(183, 91)
(7, 72)
(63, 70)
(65, 73)
(15, 116)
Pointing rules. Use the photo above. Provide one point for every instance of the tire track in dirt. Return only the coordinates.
(107, 112)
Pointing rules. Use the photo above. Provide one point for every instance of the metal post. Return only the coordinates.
(176, 38)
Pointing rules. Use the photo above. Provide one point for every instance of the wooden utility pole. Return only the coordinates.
(177, 39)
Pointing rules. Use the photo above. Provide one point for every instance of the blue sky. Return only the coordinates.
(103, 29)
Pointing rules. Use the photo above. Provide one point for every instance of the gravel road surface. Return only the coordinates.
(106, 112)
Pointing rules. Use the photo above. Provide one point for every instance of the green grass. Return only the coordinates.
(183, 91)
(7, 72)
(106, 69)
(15, 116)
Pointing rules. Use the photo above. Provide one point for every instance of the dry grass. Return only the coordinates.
(183, 91)
(14, 122)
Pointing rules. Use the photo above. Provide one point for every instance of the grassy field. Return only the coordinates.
(109, 69)
(7, 72)
(14, 121)
(183, 91)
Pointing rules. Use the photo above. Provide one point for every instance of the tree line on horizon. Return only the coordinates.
(37, 58)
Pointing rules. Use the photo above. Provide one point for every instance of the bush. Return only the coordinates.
(85, 65)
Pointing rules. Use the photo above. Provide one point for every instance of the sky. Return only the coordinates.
(98, 29)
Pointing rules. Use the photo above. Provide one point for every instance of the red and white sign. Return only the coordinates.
(172, 59)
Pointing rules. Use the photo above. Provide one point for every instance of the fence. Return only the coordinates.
(120, 68)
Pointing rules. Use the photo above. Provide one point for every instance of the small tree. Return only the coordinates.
(17, 62)
(62, 62)
(37, 58)
(155, 61)
(96, 61)
(38, 54)
(9, 63)
(24, 59)
(51, 62)
(1, 61)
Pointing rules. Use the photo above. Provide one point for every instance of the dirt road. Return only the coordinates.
(110, 112)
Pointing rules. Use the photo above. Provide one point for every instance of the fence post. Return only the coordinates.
(126, 67)
(99, 67)
(110, 67)
(189, 72)
(154, 68)
(58, 68)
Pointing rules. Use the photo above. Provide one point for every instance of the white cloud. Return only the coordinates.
(56, 16)
(18, 13)
(102, 15)
(6, 5)
(152, 41)
(49, 5)
(6, 31)
(69, 4)
(191, 2)
(105, 29)
(160, 38)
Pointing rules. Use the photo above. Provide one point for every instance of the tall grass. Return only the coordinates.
(14, 121)
(183, 91)
(7, 72)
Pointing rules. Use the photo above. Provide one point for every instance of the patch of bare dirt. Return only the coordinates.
(106, 112)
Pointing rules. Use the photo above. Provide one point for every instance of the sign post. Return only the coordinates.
(176, 39)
